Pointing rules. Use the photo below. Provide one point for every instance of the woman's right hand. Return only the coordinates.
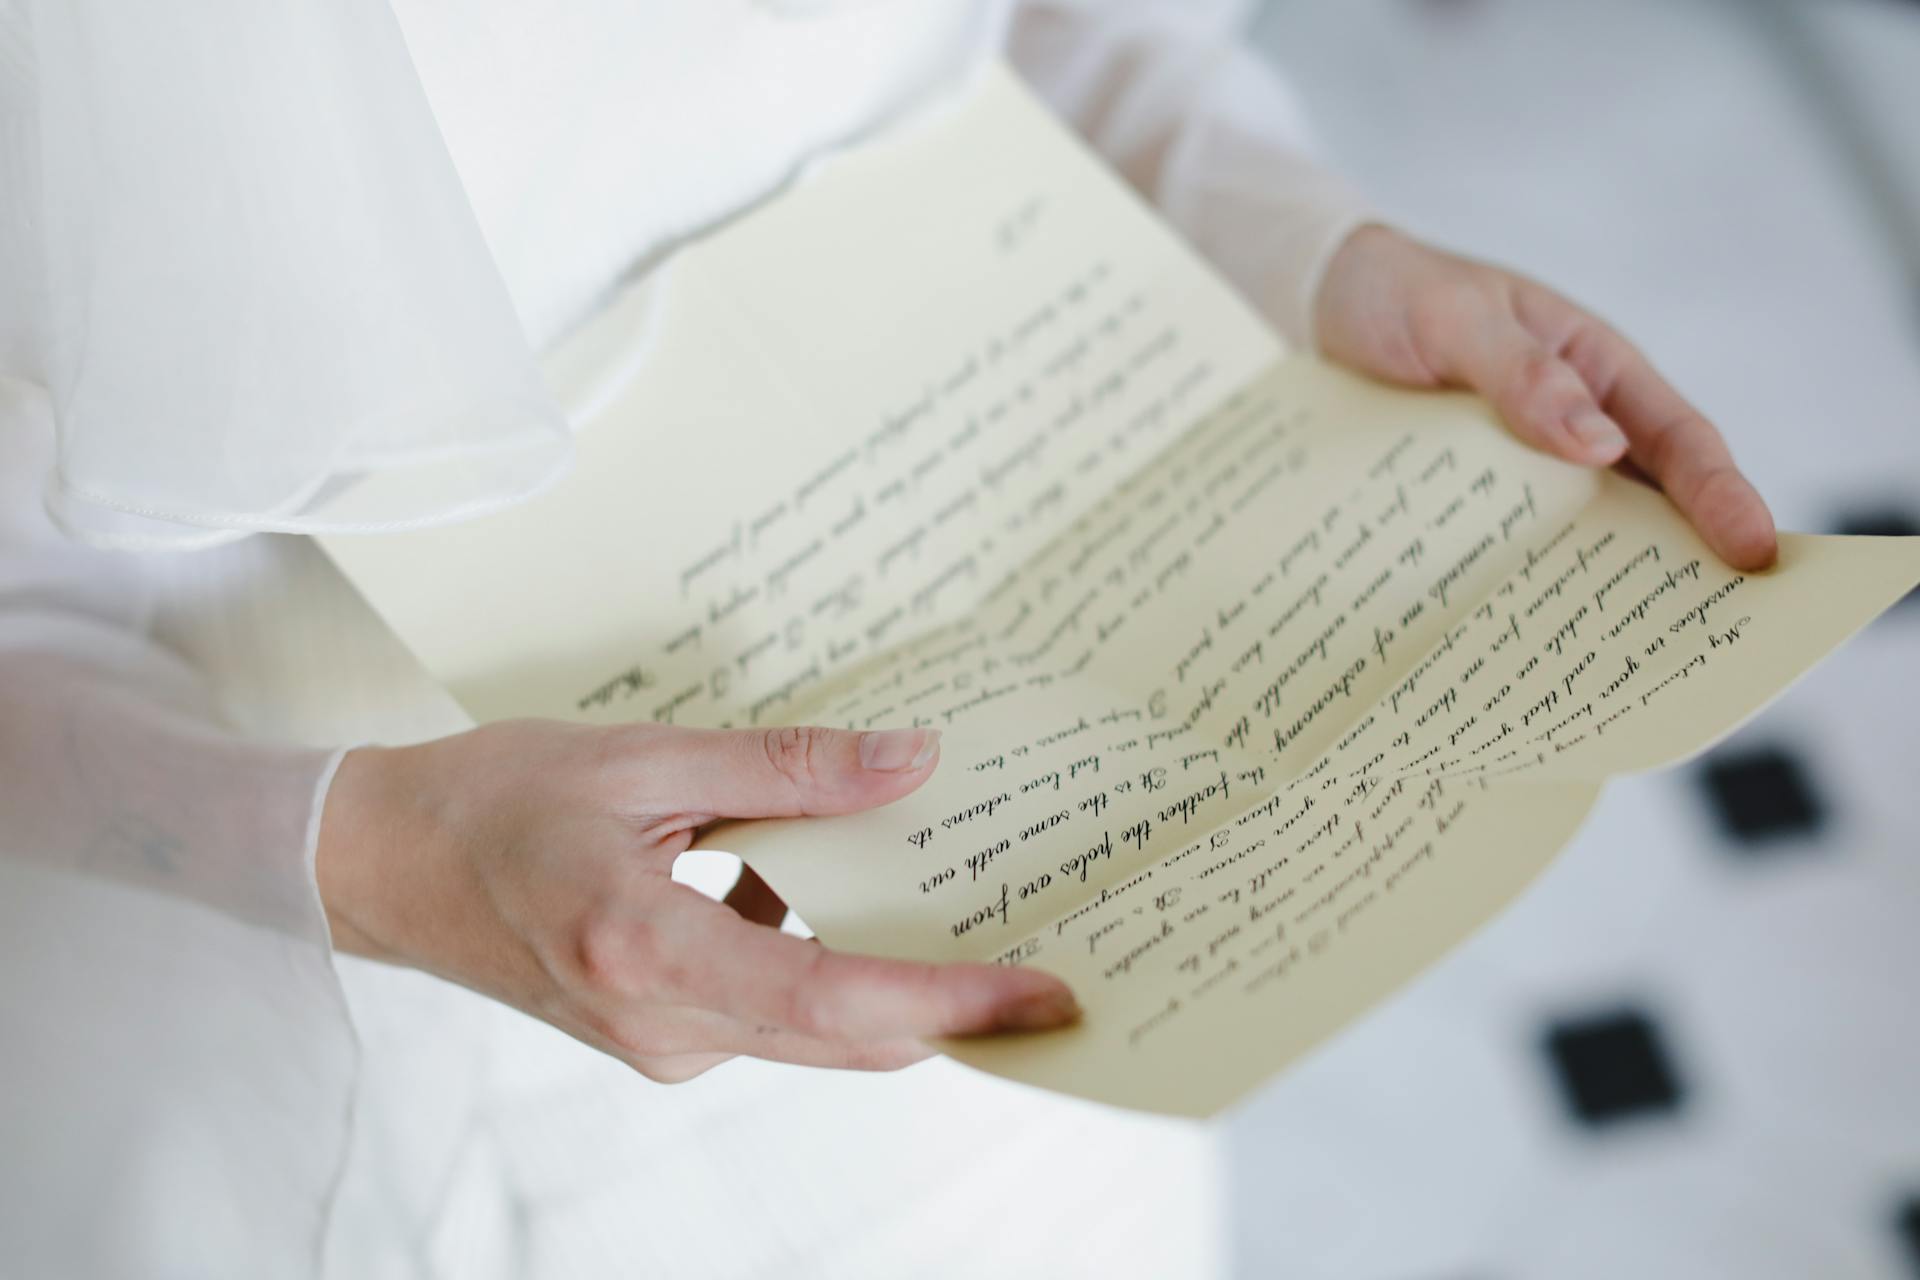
(531, 861)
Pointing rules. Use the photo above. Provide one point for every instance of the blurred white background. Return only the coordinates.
(1736, 184)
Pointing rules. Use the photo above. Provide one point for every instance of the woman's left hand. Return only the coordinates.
(1564, 381)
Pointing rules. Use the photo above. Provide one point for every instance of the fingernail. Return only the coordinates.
(1599, 433)
(1038, 1012)
(898, 750)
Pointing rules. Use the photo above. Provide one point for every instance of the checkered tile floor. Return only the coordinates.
(1694, 1048)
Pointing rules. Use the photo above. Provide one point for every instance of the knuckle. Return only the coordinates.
(612, 954)
(1695, 433)
(1534, 376)
(793, 752)
(610, 752)
(1597, 351)
(808, 1005)
(673, 977)
(614, 767)
(1680, 437)
(1717, 484)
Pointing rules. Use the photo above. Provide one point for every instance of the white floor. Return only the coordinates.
(1656, 159)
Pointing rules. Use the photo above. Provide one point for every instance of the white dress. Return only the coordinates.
(193, 1084)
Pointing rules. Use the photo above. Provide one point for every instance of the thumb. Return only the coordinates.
(788, 772)
(1542, 397)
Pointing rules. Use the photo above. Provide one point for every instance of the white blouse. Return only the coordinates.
(190, 1089)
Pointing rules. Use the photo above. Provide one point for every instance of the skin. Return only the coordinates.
(1564, 381)
(531, 860)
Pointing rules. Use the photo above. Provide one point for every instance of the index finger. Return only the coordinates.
(763, 976)
(1673, 443)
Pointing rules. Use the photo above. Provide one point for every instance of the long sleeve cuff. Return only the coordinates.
(177, 1047)
(112, 765)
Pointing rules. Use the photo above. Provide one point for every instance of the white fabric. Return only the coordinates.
(251, 269)
(167, 724)
(1206, 130)
(177, 1059)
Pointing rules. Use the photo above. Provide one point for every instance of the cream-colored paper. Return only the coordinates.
(1261, 685)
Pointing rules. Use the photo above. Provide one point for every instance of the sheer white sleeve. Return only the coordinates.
(235, 253)
(178, 1059)
(1165, 89)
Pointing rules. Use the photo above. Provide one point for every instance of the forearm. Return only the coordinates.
(113, 764)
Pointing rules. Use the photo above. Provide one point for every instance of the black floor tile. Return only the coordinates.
(1761, 794)
(1612, 1065)
(1906, 1224)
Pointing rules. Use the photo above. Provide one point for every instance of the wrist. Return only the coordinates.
(1351, 273)
(362, 847)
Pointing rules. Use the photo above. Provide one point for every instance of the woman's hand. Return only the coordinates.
(1565, 382)
(531, 861)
